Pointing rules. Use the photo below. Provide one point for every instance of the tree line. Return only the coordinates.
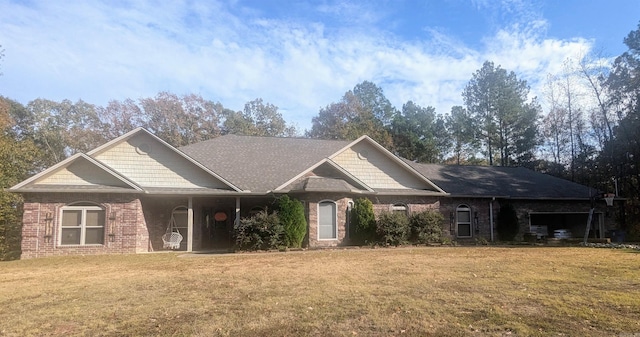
(589, 134)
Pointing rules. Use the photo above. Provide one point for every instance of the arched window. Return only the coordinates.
(327, 221)
(399, 208)
(255, 210)
(463, 221)
(82, 224)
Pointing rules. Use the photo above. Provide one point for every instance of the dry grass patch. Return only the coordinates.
(383, 292)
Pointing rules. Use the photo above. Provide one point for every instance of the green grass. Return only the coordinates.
(438, 291)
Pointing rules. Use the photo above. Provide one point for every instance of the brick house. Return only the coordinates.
(123, 196)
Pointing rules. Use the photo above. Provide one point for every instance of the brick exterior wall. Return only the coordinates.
(311, 205)
(524, 208)
(41, 225)
(382, 203)
(138, 223)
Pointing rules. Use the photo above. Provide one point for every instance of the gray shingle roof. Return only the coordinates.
(261, 164)
(513, 182)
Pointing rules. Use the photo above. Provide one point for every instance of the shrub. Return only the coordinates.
(629, 217)
(507, 224)
(362, 228)
(426, 227)
(294, 223)
(393, 228)
(262, 231)
(10, 225)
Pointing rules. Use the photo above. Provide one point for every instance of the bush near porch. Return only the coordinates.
(261, 231)
(396, 228)
(285, 227)
(294, 223)
(393, 228)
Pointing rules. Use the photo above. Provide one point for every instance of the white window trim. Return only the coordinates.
(83, 225)
(335, 220)
(470, 223)
(400, 207)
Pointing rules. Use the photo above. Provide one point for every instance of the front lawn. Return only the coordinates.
(439, 291)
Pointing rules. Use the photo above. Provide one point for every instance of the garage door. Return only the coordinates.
(575, 223)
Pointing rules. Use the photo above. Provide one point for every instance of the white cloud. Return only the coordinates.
(104, 51)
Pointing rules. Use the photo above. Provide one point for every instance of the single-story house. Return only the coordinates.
(123, 196)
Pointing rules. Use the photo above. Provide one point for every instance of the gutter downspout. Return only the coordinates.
(491, 216)
(190, 225)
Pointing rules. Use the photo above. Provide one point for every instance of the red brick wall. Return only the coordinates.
(384, 203)
(311, 204)
(523, 208)
(124, 215)
(139, 223)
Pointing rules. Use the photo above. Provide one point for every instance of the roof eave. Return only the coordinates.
(75, 190)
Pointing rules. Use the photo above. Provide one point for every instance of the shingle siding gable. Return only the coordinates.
(377, 170)
(81, 173)
(151, 164)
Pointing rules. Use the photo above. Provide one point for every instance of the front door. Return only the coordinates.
(216, 231)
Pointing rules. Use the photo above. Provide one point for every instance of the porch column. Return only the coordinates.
(601, 225)
(236, 221)
(491, 216)
(190, 225)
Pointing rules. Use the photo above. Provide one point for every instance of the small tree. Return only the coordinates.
(426, 227)
(363, 222)
(294, 223)
(393, 228)
(507, 223)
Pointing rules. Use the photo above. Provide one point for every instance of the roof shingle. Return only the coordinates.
(498, 181)
(261, 164)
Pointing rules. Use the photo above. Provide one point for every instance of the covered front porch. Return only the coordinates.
(204, 222)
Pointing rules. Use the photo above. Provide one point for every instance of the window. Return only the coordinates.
(327, 220)
(82, 225)
(255, 210)
(463, 220)
(399, 208)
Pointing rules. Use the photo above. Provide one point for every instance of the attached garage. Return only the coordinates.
(574, 222)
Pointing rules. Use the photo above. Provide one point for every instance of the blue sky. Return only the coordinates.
(298, 55)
